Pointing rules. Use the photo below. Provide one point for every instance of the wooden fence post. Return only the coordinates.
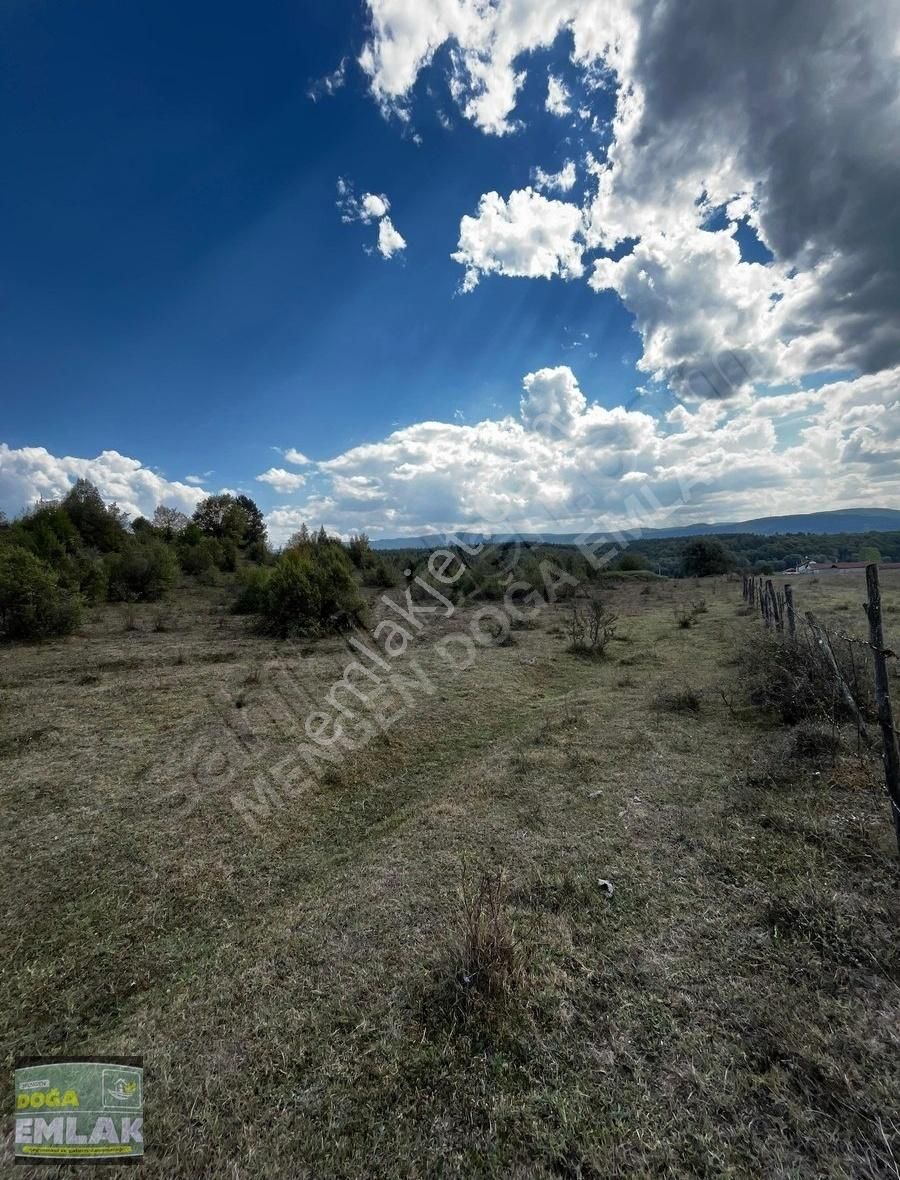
(891, 751)
(773, 604)
(791, 617)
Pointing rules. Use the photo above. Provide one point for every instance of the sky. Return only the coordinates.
(423, 265)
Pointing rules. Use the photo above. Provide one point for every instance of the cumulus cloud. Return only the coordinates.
(527, 236)
(552, 400)
(557, 102)
(785, 117)
(370, 208)
(292, 455)
(281, 480)
(389, 239)
(568, 464)
(28, 474)
(562, 181)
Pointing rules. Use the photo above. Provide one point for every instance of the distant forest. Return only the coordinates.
(770, 554)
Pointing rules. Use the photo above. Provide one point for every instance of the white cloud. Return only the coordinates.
(370, 208)
(562, 181)
(527, 236)
(330, 83)
(196, 480)
(28, 474)
(712, 111)
(557, 97)
(552, 401)
(389, 240)
(374, 206)
(292, 455)
(281, 480)
(566, 464)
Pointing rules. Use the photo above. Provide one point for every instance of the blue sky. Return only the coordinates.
(178, 286)
(174, 253)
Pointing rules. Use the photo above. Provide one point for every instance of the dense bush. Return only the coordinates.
(142, 573)
(254, 588)
(32, 603)
(310, 591)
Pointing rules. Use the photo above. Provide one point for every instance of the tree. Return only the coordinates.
(360, 550)
(869, 553)
(99, 527)
(221, 516)
(704, 557)
(169, 521)
(255, 529)
(631, 562)
(302, 539)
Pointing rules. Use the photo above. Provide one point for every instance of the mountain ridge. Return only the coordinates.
(837, 520)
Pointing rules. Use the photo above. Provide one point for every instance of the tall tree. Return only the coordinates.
(100, 527)
(221, 517)
(704, 556)
(169, 521)
(255, 531)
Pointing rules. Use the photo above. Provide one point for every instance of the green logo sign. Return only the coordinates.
(79, 1110)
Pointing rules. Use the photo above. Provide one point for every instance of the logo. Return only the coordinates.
(79, 1110)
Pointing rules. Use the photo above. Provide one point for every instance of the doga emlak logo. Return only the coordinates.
(77, 1109)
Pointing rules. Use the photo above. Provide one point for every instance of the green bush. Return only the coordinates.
(32, 603)
(200, 555)
(310, 593)
(252, 596)
(381, 575)
(142, 573)
(86, 574)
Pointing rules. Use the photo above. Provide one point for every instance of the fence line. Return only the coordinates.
(776, 607)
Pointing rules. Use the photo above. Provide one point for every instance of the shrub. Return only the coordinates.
(142, 573)
(251, 599)
(629, 562)
(380, 575)
(311, 592)
(198, 554)
(591, 628)
(32, 603)
(796, 680)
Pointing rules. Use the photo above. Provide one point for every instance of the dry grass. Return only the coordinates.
(731, 1010)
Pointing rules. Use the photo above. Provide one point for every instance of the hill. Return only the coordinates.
(840, 520)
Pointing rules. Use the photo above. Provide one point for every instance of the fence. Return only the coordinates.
(779, 614)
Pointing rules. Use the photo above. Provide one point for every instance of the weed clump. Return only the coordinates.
(686, 700)
(816, 743)
(485, 959)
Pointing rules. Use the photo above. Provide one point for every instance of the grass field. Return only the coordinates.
(732, 1009)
